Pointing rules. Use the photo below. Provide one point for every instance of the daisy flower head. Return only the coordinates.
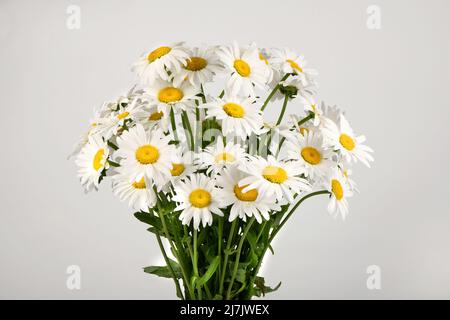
(339, 192)
(310, 153)
(271, 73)
(342, 138)
(84, 138)
(155, 64)
(332, 113)
(245, 69)
(198, 198)
(184, 163)
(244, 204)
(92, 160)
(145, 154)
(347, 173)
(137, 194)
(311, 107)
(288, 62)
(294, 86)
(166, 95)
(239, 116)
(219, 155)
(274, 178)
(200, 67)
(108, 127)
(149, 117)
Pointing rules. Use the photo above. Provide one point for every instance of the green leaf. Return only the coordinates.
(149, 219)
(164, 271)
(209, 273)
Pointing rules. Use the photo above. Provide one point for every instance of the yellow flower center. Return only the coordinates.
(147, 154)
(274, 174)
(242, 68)
(262, 58)
(234, 110)
(224, 156)
(250, 195)
(196, 64)
(294, 65)
(155, 116)
(177, 169)
(303, 130)
(347, 142)
(200, 198)
(311, 155)
(170, 95)
(337, 189)
(158, 53)
(123, 115)
(97, 162)
(139, 184)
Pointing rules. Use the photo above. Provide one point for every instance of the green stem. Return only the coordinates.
(177, 285)
(166, 231)
(283, 109)
(238, 255)
(172, 122)
(196, 263)
(305, 119)
(189, 128)
(270, 96)
(227, 253)
(219, 249)
(274, 233)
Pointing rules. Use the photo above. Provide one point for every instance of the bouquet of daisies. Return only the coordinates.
(190, 149)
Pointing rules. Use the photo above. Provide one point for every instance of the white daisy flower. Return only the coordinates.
(200, 67)
(146, 154)
(149, 117)
(239, 116)
(291, 62)
(295, 86)
(92, 160)
(273, 178)
(343, 139)
(245, 67)
(184, 163)
(271, 73)
(166, 95)
(347, 173)
(83, 139)
(311, 153)
(197, 198)
(154, 65)
(138, 195)
(330, 112)
(339, 192)
(311, 106)
(217, 156)
(108, 127)
(244, 204)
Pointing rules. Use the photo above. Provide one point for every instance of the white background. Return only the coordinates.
(393, 84)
